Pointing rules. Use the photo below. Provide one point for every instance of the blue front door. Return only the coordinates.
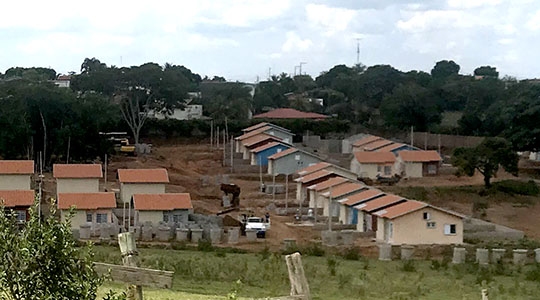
(354, 216)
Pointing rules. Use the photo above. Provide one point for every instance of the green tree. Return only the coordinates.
(42, 261)
(486, 159)
(444, 69)
(486, 71)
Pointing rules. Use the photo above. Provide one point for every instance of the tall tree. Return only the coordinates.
(444, 69)
(487, 71)
(486, 159)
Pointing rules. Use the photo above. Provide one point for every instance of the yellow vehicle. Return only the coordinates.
(120, 142)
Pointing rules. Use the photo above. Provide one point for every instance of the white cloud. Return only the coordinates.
(436, 19)
(294, 43)
(329, 19)
(467, 4)
(534, 21)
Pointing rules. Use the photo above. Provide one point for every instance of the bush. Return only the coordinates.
(332, 264)
(205, 245)
(313, 249)
(529, 188)
(41, 260)
(408, 266)
(351, 253)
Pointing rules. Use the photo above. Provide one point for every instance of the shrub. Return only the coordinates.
(332, 264)
(533, 274)
(408, 266)
(313, 249)
(351, 253)
(42, 261)
(205, 245)
(529, 188)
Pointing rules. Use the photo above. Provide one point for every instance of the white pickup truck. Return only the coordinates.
(259, 225)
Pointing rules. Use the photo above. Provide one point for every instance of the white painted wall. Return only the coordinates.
(127, 190)
(190, 112)
(15, 182)
(77, 185)
(154, 216)
(413, 170)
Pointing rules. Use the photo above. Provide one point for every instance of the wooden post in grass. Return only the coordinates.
(299, 284)
(485, 294)
(128, 249)
(129, 273)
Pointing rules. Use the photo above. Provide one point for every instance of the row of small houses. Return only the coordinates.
(334, 191)
(331, 192)
(266, 144)
(142, 192)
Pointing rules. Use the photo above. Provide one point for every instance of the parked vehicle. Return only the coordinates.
(259, 225)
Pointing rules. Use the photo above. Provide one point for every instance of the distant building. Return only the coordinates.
(16, 174)
(371, 164)
(63, 81)
(141, 181)
(190, 112)
(77, 178)
(290, 113)
(418, 163)
(156, 208)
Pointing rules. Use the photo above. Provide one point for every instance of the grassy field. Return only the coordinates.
(213, 275)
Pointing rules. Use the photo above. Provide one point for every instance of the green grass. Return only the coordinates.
(209, 275)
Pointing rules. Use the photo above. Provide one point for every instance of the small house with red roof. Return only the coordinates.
(156, 208)
(257, 141)
(314, 191)
(367, 208)
(290, 161)
(370, 164)
(19, 201)
(416, 164)
(280, 133)
(416, 223)
(348, 214)
(331, 198)
(141, 181)
(16, 174)
(290, 113)
(90, 208)
(77, 178)
(259, 155)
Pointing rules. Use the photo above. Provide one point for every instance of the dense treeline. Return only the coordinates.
(37, 116)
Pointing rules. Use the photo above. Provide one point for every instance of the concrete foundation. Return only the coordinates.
(459, 255)
(329, 238)
(196, 235)
(182, 234)
(233, 235)
(84, 231)
(215, 235)
(385, 252)
(482, 256)
(520, 256)
(146, 233)
(251, 235)
(347, 237)
(164, 233)
(280, 189)
(537, 255)
(407, 252)
(497, 255)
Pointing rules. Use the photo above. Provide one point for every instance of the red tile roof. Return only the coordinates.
(256, 126)
(366, 140)
(143, 176)
(390, 147)
(401, 209)
(77, 171)
(16, 167)
(283, 153)
(253, 133)
(361, 197)
(374, 157)
(379, 203)
(17, 198)
(419, 156)
(289, 113)
(344, 189)
(261, 137)
(376, 145)
(84, 201)
(330, 182)
(314, 176)
(313, 168)
(169, 201)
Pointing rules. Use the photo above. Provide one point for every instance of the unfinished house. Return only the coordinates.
(16, 174)
(303, 182)
(167, 208)
(141, 181)
(331, 206)
(290, 161)
(415, 164)
(373, 164)
(313, 191)
(91, 209)
(19, 202)
(417, 223)
(77, 178)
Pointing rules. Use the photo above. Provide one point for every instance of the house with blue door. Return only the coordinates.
(259, 155)
(348, 214)
(331, 205)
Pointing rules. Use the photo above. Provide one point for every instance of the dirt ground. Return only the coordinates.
(197, 169)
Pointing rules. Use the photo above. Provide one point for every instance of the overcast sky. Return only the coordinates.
(242, 39)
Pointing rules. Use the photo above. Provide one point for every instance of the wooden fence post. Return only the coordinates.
(485, 294)
(299, 284)
(128, 249)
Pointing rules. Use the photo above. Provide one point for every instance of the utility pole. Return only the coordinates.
(358, 50)
(300, 67)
